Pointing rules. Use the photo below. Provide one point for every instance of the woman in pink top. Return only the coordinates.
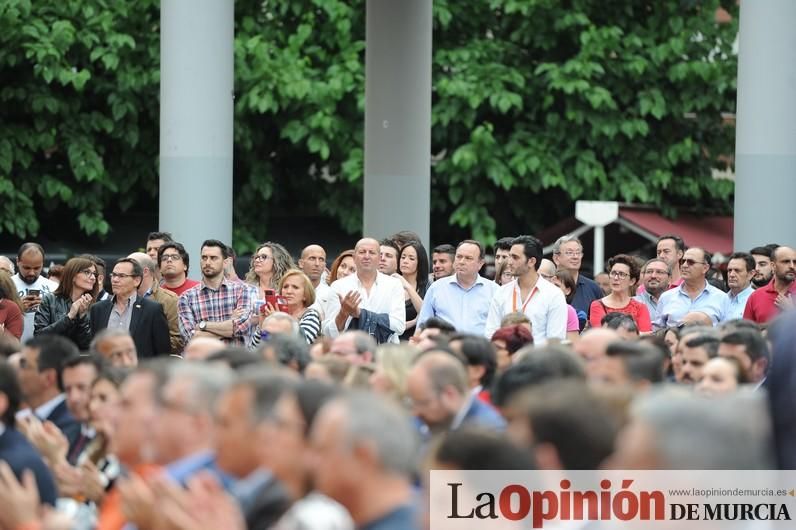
(624, 273)
(563, 278)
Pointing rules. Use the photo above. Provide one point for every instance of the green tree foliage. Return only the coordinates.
(78, 110)
(536, 103)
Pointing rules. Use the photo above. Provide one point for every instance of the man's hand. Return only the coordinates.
(349, 304)
(784, 302)
(20, 502)
(138, 502)
(30, 302)
(203, 506)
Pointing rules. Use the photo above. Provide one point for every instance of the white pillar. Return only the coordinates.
(397, 178)
(196, 113)
(765, 148)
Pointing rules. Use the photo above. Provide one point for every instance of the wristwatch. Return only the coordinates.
(202, 325)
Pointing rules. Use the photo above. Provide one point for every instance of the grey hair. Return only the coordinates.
(280, 315)
(107, 333)
(565, 239)
(374, 420)
(364, 342)
(207, 383)
(268, 384)
(9, 263)
(693, 432)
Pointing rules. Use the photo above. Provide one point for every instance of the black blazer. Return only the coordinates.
(63, 419)
(148, 325)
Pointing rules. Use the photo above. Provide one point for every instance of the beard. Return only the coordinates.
(760, 281)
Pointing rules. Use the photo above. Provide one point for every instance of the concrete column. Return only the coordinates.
(196, 112)
(765, 149)
(398, 117)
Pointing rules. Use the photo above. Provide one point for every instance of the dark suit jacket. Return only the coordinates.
(63, 419)
(20, 455)
(148, 325)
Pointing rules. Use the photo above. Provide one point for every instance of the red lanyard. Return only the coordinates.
(514, 299)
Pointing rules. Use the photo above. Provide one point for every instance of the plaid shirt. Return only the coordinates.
(204, 303)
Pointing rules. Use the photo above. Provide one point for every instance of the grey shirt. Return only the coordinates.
(121, 320)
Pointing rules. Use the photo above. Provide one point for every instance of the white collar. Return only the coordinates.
(44, 410)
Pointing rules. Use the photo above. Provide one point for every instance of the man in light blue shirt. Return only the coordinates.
(740, 270)
(656, 277)
(462, 299)
(695, 294)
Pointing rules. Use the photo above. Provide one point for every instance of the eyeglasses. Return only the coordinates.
(690, 262)
(170, 257)
(89, 273)
(572, 253)
(619, 275)
(261, 257)
(122, 275)
(650, 272)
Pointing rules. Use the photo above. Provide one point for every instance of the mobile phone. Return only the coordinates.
(34, 292)
(281, 304)
(270, 298)
(276, 301)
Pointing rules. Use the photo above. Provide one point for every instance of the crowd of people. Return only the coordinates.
(317, 393)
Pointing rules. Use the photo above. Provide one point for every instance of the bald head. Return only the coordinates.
(149, 268)
(366, 256)
(200, 348)
(697, 317)
(313, 262)
(442, 370)
(547, 268)
(594, 342)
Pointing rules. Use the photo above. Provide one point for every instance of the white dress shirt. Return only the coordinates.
(545, 307)
(323, 294)
(386, 296)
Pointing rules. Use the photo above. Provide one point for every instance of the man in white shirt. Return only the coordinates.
(541, 301)
(30, 284)
(368, 300)
(313, 263)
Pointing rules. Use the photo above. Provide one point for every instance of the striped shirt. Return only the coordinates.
(202, 302)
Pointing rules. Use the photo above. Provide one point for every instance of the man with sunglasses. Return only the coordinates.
(695, 294)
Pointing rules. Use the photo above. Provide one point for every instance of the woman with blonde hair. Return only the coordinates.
(269, 264)
(299, 294)
(393, 362)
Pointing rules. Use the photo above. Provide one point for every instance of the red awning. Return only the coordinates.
(713, 233)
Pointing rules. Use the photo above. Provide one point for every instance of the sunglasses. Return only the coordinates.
(690, 262)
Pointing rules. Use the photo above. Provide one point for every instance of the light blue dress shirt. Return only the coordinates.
(465, 309)
(736, 304)
(674, 304)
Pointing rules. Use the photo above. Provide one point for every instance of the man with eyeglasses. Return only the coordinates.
(568, 254)
(695, 294)
(149, 288)
(142, 317)
(463, 298)
(780, 293)
(656, 282)
(173, 264)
